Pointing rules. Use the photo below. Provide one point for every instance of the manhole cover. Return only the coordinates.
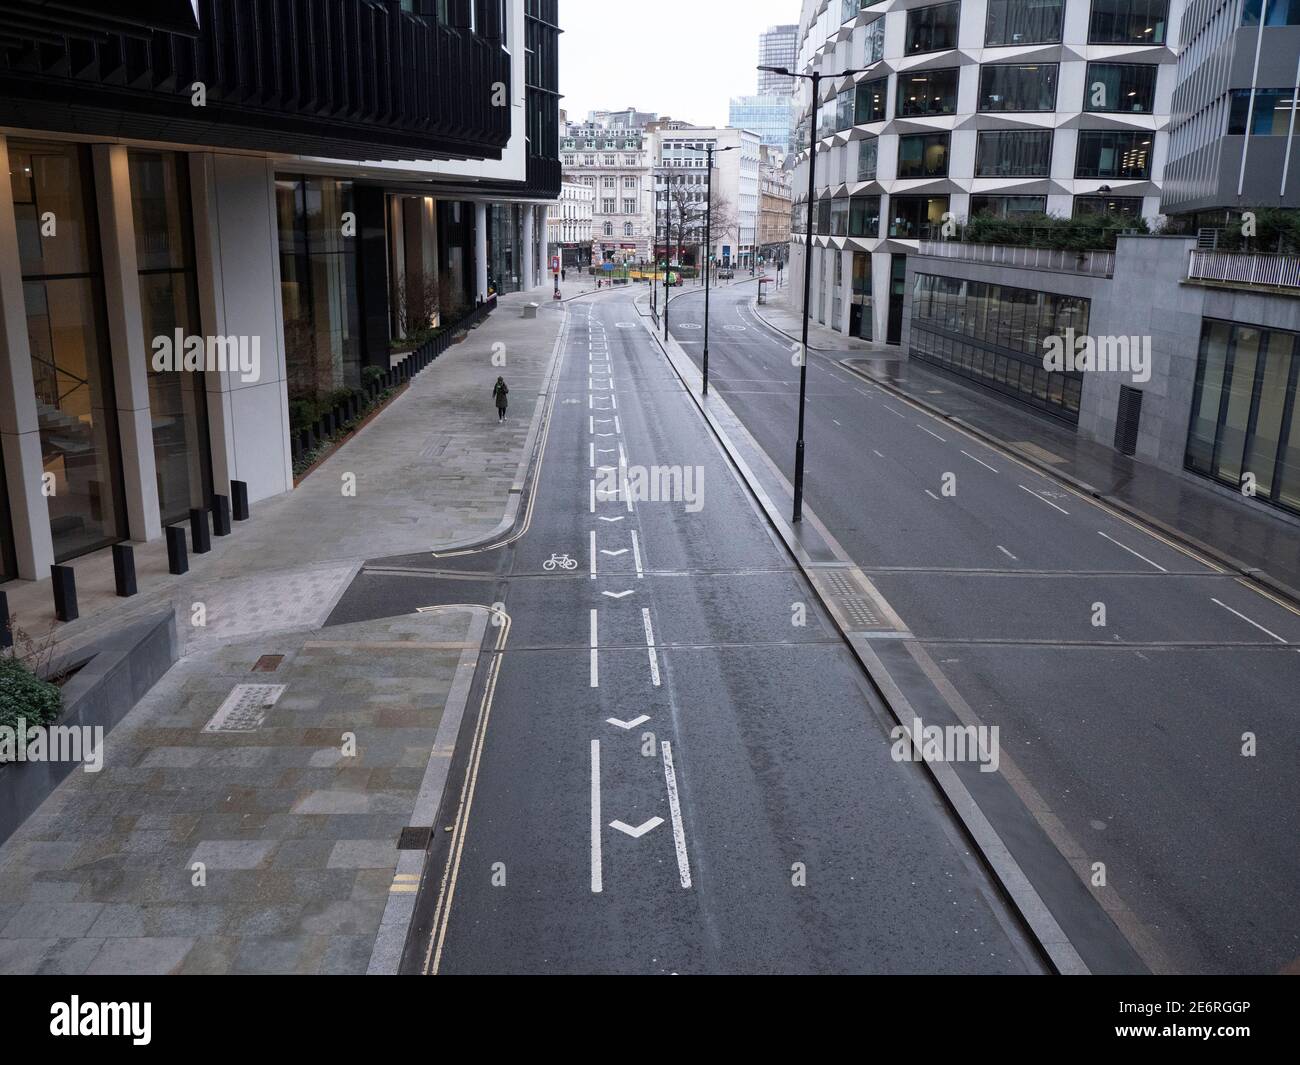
(245, 708)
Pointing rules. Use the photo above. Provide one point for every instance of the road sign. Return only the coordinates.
(555, 264)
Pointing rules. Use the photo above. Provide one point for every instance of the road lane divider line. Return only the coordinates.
(980, 461)
(1132, 552)
(595, 665)
(675, 809)
(1008, 553)
(636, 556)
(650, 646)
(1248, 621)
(593, 554)
(931, 432)
(597, 873)
(1044, 499)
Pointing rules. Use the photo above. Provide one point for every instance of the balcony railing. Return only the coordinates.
(347, 78)
(1094, 263)
(1243, 268)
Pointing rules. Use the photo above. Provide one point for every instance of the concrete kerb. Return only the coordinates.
(1067, 480)
(1033, 911)
(399, 910)
(542, 409)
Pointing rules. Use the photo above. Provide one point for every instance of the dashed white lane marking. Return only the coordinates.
(636, 555)
(932, 433)
(593, 453)
(618, 428)
(1044, 499)
(861, 393)
(593, 497)
(596, 878)
(593, 554)
(650, 646)
(980, 461)
(931, 494)
(877, 453)
(1132, 552)
(675, 809)
(1268, 632)
(591, 424)
(892, 411)
(836, 421)
(595, 669)
(1008, 553)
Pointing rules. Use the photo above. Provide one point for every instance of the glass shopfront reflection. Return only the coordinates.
(169, 301)
(64, 295)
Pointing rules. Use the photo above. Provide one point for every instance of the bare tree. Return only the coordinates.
(687, 218)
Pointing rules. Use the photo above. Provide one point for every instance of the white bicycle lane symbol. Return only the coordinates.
(559, 562)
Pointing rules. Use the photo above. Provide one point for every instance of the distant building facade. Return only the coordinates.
(610, 154)
(777, 47)
(569, 225)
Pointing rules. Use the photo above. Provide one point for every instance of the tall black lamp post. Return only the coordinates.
(708, 252)
(816, 78)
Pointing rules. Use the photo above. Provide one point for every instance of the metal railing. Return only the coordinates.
(1093, 263)
(1244, 268)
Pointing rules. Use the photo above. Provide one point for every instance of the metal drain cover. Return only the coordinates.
(245, 708)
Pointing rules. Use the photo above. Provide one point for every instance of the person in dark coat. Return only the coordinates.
(499, 392)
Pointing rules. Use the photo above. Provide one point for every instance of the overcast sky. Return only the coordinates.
(684, 58)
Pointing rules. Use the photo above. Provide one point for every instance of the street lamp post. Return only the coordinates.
(708, 254)
(816, 78)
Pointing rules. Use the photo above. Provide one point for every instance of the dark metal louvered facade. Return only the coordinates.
(354, 79)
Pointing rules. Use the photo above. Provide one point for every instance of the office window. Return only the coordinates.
(607, 205)
(932, 29)
(867, 151)
(1014, 153)
(1128, 21)
(67, 333)
(1106, 153)
(1121, 206)
(1023, 22)
(629, 183)
(913, 217)
(1272, 114)
(823, 217)
(927, 92)
(844, 109)
(629, 206)
(840, 217)
(1244, 417)
(1007, 206)
(164, 246)
(875, 42)
(871, 96)
(923, 155)
(1013, 87)
(1129, 87)
(864, 216)
(1280, 13)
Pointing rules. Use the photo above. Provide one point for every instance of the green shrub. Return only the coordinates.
(1050, 231)
(24, 695)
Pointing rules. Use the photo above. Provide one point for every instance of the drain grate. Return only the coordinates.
(855, 607)
(245, 708)
(414, 839)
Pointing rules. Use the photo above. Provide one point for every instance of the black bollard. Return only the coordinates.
(124, 570)
(199, 533)
(220, 515)
(6, 633)
(178, 560)
(239, 499)
(65, 593)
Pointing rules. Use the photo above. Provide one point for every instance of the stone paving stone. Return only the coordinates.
(299, 849)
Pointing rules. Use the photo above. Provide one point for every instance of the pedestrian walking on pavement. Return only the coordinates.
(499, 392)
(563, 273)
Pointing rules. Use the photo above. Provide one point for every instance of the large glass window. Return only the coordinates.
(867, 152)
(1280, 13)
(1128, 21)
(1121, 206)
(992, 334)
(318, 287)
(1109, 153)
(927, 92)
(1129, 87)
(1014, 153)
(1271, 116)
(1007, 206)
(871, 100)
(1016, 87)
(932, 29)
(63, 290)
(1023, 22)
(913, 217)
(164, 250)
(860, 312)
(875, 42)
(1243, 418)
(864, 216)
(840, 217)
(844, 110)
(923, 155)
